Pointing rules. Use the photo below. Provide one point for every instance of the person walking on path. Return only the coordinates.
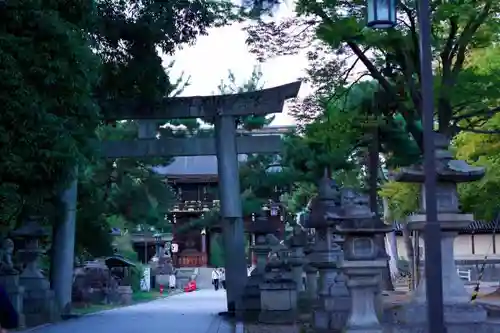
(222, 277)
(215, 279)
(8, 315)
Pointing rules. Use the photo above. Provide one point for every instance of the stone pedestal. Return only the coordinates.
(261, 231)
(278, 294)
(458, 309)
(332, 308)
(252, 298)
(459, 312)
(453, 287)
(334, 301)
(363, 283)
(311, 282)
(39, 301)
(297, 244)
(362, 264)
(16, 294)
(125, 295)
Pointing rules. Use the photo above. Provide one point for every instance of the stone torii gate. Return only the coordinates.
(222, 110)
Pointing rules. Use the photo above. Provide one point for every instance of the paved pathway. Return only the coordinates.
(194, 312)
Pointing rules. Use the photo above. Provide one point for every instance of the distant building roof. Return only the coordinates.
(206, 166)
(192, 166)
(474, 227)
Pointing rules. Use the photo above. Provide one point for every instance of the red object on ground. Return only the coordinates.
(161, 289)
(191, 286)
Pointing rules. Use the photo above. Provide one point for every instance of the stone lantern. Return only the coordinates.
(361, 264)
(278, 291)
(260, 228)
(458, 309)
(309, 269)
(296, 244)
(333, 297)
(39, 305)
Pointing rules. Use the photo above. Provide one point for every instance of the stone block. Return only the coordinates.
(269, 328)
(125, 293)
(326, 321)
(162, 279)
(278, 302)
(415, 313)
(486, 327)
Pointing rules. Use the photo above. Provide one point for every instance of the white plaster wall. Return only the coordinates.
(463, 246)
(483, 244)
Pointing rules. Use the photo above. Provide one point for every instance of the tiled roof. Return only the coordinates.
(476, 226)
(192, 165)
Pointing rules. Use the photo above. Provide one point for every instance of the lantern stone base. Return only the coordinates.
(16, 294)
(458, 308)
(278, 302)
(415, 313)
(487, 327)
(251, 298)
(363, 283)
(334, 301)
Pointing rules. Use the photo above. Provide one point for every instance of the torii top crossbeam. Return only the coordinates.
(259, 102)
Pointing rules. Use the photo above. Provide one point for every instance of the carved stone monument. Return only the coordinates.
(458, 310)
(311, 271)
(9, 279)
(38, 304)
(278, 291)
(252, 300)
(297, 257)
(334, 300)
(361, 264)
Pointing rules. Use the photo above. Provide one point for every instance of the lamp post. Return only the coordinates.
(382, 14)
(158, 238)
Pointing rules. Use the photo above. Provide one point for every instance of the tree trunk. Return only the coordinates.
(386, 282)
(392, 251)
(373, 165)
(410, 253)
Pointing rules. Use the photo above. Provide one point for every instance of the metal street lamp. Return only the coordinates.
(433, 269)
(158, 238)
(381, 14)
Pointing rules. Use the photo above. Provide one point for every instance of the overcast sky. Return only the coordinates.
(224, 49)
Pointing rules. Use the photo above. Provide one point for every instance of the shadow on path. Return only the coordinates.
(194, 312)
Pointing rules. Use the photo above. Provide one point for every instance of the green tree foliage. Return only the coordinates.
(483, 150)
(253, 83)
(402, 199)
(124, 190)
(260, 175)
(336, 36)
(48, 74)
(475, 142)
(128, 36)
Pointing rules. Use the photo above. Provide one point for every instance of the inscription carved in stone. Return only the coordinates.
(363, 247)
(446, 198)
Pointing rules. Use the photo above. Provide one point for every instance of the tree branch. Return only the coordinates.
(476, 113)
(463, 42)
(377, 75)
(474, 130)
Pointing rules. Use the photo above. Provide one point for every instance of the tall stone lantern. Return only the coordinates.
(39, 302)
(334, 301)
(361, 264)
(458, 309)
(260, 228)
(296, 243)
(309, 269)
